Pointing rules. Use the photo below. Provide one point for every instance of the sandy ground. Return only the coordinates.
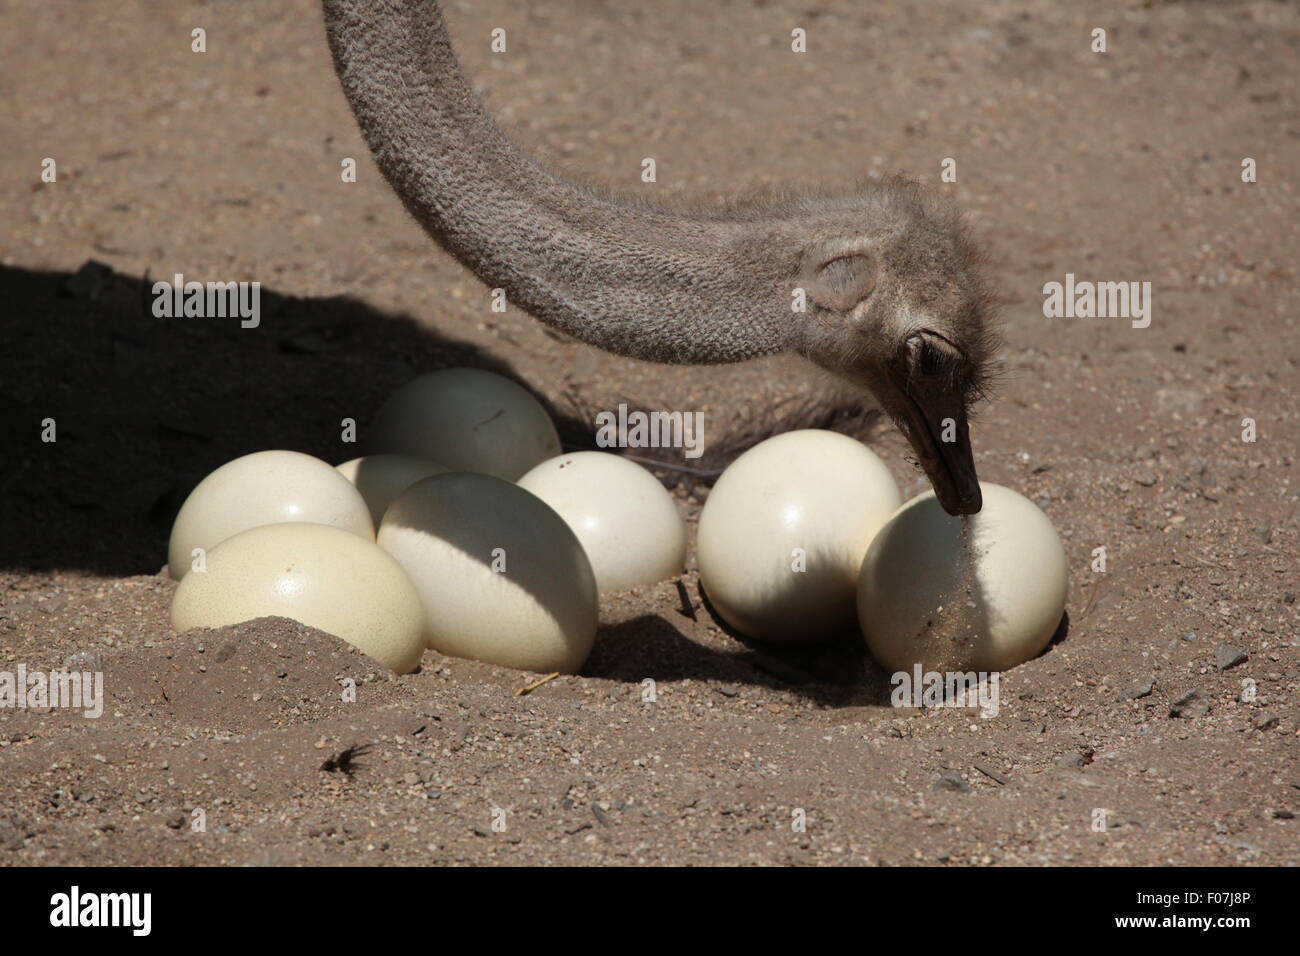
(225, 165)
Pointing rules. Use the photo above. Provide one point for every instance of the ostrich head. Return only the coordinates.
(893, 301)
(897, 304)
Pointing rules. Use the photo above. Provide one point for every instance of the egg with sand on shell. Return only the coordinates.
(321, 576)
(981, 593)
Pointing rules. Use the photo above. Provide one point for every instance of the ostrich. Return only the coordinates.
(892, 295)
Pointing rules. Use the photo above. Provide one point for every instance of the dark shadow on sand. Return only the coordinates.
(145, 407)
(837, 673)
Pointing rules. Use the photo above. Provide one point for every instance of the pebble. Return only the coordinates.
(91, 660)
(1226, 656)
(1138, 691)
(952, 780)
(1189, 705)
(89, 282)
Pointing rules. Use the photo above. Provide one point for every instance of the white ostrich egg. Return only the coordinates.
(266, 487)
(981, 593)
(624, 518)
(381, 478)
(321, 576)
(468, 420)
(783, 532)
(502, 578)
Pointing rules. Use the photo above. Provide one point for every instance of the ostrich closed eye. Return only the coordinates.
(894, 299)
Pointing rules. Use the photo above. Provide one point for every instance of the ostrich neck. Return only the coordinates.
(627, 277)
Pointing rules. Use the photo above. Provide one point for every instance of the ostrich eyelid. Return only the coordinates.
(920, 337)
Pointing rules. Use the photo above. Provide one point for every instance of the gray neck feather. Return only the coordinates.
(628, 277)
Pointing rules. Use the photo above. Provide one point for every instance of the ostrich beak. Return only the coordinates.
(928, 417)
